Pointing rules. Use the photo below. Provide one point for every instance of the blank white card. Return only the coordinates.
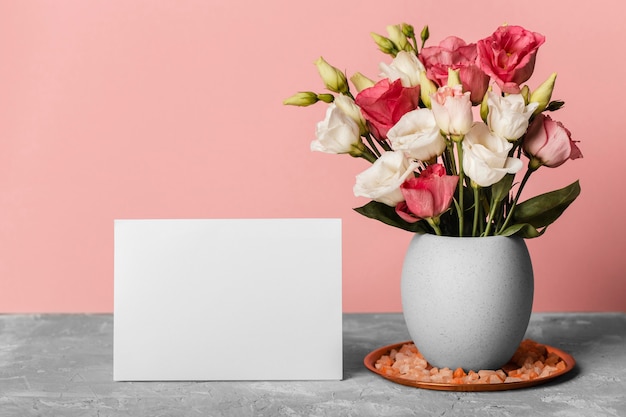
(227, 299)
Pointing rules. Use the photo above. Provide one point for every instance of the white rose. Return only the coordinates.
(485, 156)
(417, 135)
(337, 133)
(508, 116)
(381, 182)
(406, 67)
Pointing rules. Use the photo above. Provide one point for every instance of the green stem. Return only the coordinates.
(373, 147)
(368, 155)
(446, 163)
(360, 150)
(509, 215)
(384, 145)
(415, 45)
(481, 224)
(450, 157)
(502, 208)
(459, 148)
(492, 212)
(477, 207)
(433, 223)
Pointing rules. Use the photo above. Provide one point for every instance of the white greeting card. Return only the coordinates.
(227, 299)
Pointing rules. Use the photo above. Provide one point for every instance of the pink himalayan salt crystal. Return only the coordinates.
(531, 361)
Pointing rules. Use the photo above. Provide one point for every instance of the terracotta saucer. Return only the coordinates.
(372, 357)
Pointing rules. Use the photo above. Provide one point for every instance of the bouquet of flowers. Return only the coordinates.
(446, 129)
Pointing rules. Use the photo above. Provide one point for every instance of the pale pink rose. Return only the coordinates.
(508, 56)
(454, 53)
(385, 103)
(428, 195)
(452, 110)
(549, 142)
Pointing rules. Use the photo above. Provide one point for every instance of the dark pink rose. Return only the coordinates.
(508, 56)
(385, 103)
(428, 195)
(549, 143)
(454, 53)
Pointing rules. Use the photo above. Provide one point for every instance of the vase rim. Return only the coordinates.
(466, 237)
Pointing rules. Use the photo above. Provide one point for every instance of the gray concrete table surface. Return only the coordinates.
(62, 365)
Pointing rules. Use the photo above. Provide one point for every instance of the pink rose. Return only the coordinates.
(508, 56)
(385, 103)
(454, 53)
(428, 195)
(549, 143)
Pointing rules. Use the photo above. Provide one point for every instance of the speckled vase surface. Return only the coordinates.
(467, 301)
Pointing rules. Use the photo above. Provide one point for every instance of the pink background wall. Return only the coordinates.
(164, 109)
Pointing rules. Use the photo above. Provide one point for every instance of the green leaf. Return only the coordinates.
(544, 209)
(523, 230)
(555, 105)
(501, 189)
(388, 215)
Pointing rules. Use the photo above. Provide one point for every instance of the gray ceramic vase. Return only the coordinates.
(467, 301)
